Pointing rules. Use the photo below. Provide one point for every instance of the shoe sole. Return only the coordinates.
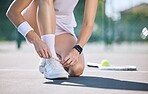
(56, 76)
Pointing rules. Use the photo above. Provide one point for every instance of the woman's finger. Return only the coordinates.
(39, 54)
(49, 54)
(65, 60)
(46, 53)
(42, 53)
(68, 62)
(73, 62)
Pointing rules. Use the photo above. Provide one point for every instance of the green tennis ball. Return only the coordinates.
(105, 63)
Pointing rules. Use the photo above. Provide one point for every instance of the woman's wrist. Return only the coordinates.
(32, 37)
(24, 28)
(78, 48)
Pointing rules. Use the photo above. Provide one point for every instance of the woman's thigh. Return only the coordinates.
(64, 44)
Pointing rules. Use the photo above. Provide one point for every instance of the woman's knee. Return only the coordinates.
(49, 2)
(77, 70)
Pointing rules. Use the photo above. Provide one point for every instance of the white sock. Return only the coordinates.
(49, 39)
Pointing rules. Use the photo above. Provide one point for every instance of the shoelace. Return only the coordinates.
(54, 63)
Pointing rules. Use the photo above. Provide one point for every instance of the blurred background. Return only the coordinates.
(117, 22)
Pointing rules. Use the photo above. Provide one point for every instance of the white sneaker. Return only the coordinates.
(53, 69)
(42, 65)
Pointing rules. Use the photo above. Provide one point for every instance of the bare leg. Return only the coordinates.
(64, 44)
(47, 24)
(46, 17)
(31, 17)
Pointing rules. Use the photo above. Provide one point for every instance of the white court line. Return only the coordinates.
(113, 71)
(84, 71)
(19, 70)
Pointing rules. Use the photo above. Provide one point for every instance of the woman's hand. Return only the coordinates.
(41, 48)
(71, 58)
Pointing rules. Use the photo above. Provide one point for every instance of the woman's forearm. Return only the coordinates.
(88, 22)
(15, 16)
(84, 35)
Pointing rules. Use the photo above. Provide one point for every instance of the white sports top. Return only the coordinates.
(65, 19)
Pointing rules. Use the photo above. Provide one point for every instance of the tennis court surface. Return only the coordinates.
(19, 72)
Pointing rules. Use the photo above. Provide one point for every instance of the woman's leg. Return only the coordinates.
(64, 44)
(47, 24)
(46, 17)
(48, 37)
(30, 14)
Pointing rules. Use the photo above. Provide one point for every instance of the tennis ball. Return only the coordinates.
(105, 63)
